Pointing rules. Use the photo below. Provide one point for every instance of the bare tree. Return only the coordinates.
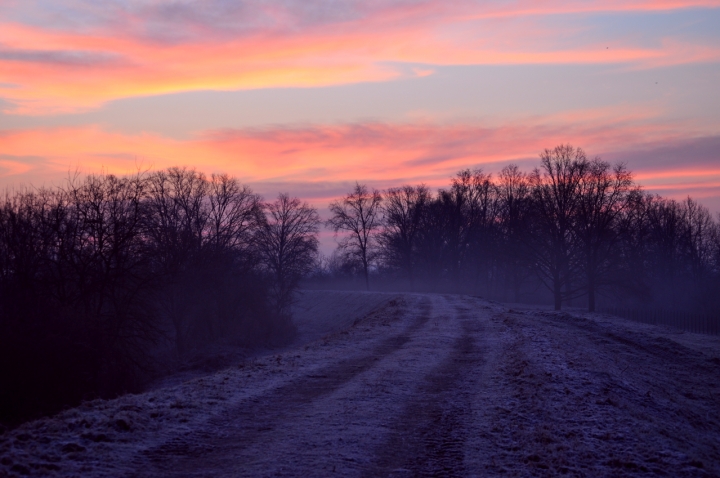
(434, 237)
(403, 211)
(714, 263)
(556, 198)
(662, 249)
(605, 193)
(177, 215)
(474, 199)
(94, 274)
(359, 216)
(234, 213)
(288, 244)
(201, 233)
(111, 281)
(514, 200)
(697, 239)
(177, 219)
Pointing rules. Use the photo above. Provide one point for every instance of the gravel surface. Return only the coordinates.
(412, 385)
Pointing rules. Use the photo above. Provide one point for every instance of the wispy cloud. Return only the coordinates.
(135, 48)
(384, 154)
(57, 57)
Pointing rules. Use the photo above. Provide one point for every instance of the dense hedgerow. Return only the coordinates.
(109, 280)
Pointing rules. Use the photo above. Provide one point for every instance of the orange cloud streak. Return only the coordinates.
(533, 7)
(381, 154)
(694, 173)
(59, 71)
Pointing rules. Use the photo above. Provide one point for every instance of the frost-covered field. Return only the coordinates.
(406, 385)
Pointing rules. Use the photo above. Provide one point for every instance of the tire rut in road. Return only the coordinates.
(226, 435)
(590, 398)
(428, 439)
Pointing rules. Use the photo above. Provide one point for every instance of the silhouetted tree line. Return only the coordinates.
(573, 229)
(108, 280)
(104, 280)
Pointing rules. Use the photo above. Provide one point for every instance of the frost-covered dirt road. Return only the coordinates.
(424, 385)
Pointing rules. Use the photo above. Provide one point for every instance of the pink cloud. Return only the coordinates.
(320, 160)
(61, 70)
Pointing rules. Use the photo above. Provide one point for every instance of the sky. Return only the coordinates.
(309, 96)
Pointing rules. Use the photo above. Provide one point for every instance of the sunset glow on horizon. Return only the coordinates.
(308, 96)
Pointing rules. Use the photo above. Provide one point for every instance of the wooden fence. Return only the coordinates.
(691, 322)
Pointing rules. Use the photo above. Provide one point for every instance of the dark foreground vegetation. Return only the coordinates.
(107, 282)
(573, 231)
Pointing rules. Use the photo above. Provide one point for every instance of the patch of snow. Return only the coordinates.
(411, 384)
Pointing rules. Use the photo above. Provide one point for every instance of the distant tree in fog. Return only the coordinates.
(697, 239)
(288, 245)
(473, 203)
(358, 216)
(605, 193)
(556, 193)
(578, 227)
(433, 241)
(402, 218)
(714, 284)
(662, 250)
(342, 266)
(513, 224)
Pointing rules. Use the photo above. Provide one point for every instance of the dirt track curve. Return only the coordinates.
(427, 385)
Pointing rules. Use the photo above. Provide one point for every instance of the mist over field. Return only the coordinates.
(359, 238)
(449, 303)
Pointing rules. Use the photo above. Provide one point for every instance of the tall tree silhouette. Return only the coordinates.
(288, 244)
(556, 198)
(234, 213)
(475, 201)
(403, 210)
(604, 196)
(514, 217)
(358, 215)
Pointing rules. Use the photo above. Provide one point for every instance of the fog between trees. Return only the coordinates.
(573, 230)
(108, 282)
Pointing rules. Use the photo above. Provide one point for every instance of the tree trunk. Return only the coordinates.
(557, 290)
(591, 294)
(367, 275)
(516, 283)
(410, 272)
